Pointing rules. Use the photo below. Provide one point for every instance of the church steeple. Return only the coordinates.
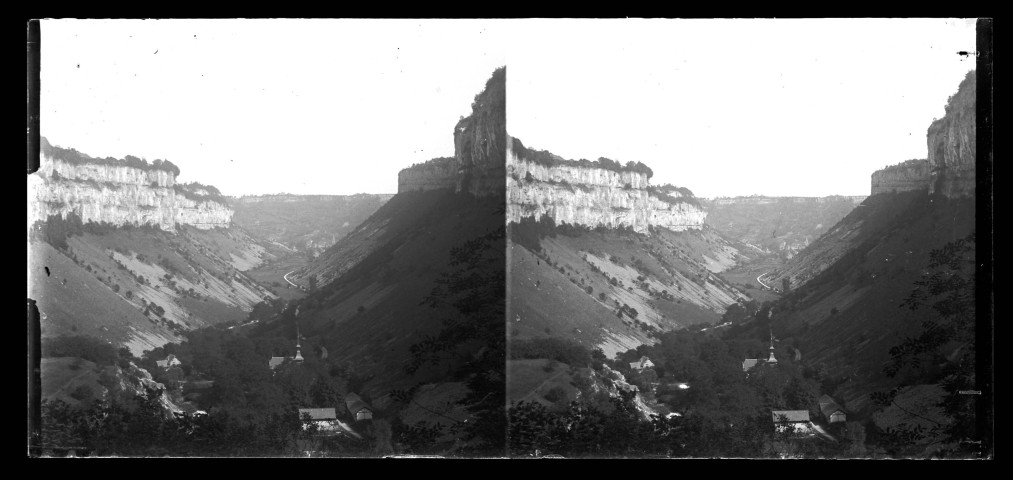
(298, 353)
(772, 359)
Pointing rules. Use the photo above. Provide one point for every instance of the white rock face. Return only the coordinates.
(119, 195)
(592, 197)
(951, 143)
(203, 215)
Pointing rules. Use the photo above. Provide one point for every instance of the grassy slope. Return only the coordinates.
(548, 294)
(398, 217)
(86, 305)
(208, 262)
(875, 215)
(531, 380)
(273, 274)
(62, 375)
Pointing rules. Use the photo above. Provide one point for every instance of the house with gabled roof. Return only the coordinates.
(359, 409)
(170, 361)
(275, 362)
(326, 421)
(313, 415)
(833, 412)
(642, 364)
(792, 421)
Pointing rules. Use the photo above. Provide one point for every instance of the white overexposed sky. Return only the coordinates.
(724, 107)
(265, 106)
(738, 107)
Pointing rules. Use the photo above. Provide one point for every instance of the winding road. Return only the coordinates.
(764, 285)
(290, 281)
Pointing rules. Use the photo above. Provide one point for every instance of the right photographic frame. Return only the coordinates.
(750, 238)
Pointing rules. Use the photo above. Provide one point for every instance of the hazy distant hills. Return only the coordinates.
(307, 223)
(778, 225)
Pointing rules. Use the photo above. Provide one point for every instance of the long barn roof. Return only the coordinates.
(790, 416)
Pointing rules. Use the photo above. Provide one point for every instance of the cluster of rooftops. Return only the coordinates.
(798, 420)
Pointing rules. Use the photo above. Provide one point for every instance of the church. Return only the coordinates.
(750, 363)
(275, 362)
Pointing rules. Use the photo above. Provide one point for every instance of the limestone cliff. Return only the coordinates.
(951, 143)
(478, 164)
(591, 195)
(480, 140)
(120, 192)
(436, 174)
(903, 177)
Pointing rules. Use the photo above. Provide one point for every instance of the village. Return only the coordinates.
(788, 427)
(349, 417)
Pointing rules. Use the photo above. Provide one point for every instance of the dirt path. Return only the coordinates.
(290, 281)
(528, 397)
(70, 382)
(822, 432)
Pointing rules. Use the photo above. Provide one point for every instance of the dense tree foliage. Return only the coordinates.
(55, 230)
(141, 427)
(73, 157)
(664, 192)
(942, 352)
(472, 344)
(723, 412)
(251, 410)
(199, 192)
(544, 157)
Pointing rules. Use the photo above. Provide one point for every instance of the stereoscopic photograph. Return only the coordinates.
(654, 238)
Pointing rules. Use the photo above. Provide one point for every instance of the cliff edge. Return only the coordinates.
(120, 192)
(594, 194)
(478, 164)
(951, 143)
(903, 177)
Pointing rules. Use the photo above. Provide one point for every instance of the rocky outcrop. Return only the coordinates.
(480, 141)
(436, 174)
(951, 143)
(593, 197)
(120, 192)
(903, 177)
(478, 164)
(202, 214)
